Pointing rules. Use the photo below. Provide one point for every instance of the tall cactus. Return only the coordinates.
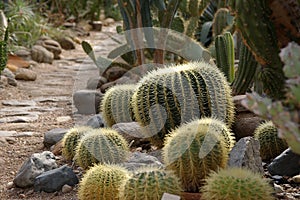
(225, 55)
(245, 72)
(220, 21)
(168, 97)
(116, 104)
(253, 21)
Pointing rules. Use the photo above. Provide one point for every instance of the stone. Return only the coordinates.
(20, 119)
(132, 132)
(113, 73)
(52, 46)
(23, 52)
(138, 159)
(108, 21)
(10, 185)
(25, 74)
(95, 122)
(87, 101)
(33, 167)
(66, 43)
(56, 149)
(54, 180)
(3, 80)
(278, 188)
(41, 54)
(245, 153)
(66, 188)
(245, 124)
(286, 164)
(8, 133)
(167, 196)
(296, 179)
(10, 77)
(21, 103)
(95, 82)
(53, 136)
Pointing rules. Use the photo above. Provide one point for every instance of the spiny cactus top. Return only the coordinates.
(104, 182)
(237, 184)
(168, 97)
(116, 104)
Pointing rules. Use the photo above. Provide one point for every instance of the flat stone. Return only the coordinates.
(286, 164)
(95, 122)
(33, 167)
(54, 180)
(41, 54)
(246, 154)
(53, 136)
(66, 43)
(13, 102)
(25, 74)
(52, 99)
(20, 119)
(137, 160)
(8, 133)
(87, 101)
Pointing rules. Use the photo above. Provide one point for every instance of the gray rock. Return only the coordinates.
(3, 81)
(33, 167)
(246, 154)
(132, 132)
(66, 43)
(95, 82)
(66, 188)
(8, 133)
(23, 52)
(52, 46)
(41, 54)
(20, 119)
(53, 136)
(87, 101)
(95, 122)
(6, 72)
(25, 74)
(21, 103)
(54, 180)
(138, 159)
(114, 72)
(286, 164)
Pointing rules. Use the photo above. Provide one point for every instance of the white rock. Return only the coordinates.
(66, 189)
(296, 178)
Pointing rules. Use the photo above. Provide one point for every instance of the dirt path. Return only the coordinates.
(32, 108)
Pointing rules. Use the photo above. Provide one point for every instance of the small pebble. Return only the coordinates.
(11, 140)
(29, 192)
(10, 185)
(66, 189)
(139, 149)
(22, 196)
(278, 188)
(296, 179)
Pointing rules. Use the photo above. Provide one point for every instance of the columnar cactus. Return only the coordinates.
(71, 140)
(151, 184)
(245, 72)
(168, 97)
(236, 183)
(101, 146)
(270, 144)
(225, 54)
(102, 182)
(116, 104)
(220, 22)
(196, 148)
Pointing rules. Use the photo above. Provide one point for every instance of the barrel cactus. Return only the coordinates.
(102, 182)
(71, 140)
(151, 184)
(270, 144)
(101, 146)
(116, 104)
(196, 148)
(236, 183)
(168, 97)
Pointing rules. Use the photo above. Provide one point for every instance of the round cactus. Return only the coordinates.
(71, 140)
(169, 97)
(102, 182)
(196, 148)
(270, 144)
(236, 183)
(151, 184)
(101, 146)
(116, 104)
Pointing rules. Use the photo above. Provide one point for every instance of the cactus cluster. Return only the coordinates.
(71, 140)
(195, 149)
(151, 184)
(270, 144)
(221, 22)
(102, 182)
(169, 97)
(116, 104)
(101, 146)
(237, 184)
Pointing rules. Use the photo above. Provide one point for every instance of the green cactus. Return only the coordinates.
(116, 104)
(168, 97)
(221, 21)
(270, 144)
(151, 184)
(252, 19)
(284, 114)
(225, 55)
(245, 72)
(3, 41)
(237, 184)
(196, 148)
(71, 140)
(101, 146)
(102, 182)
